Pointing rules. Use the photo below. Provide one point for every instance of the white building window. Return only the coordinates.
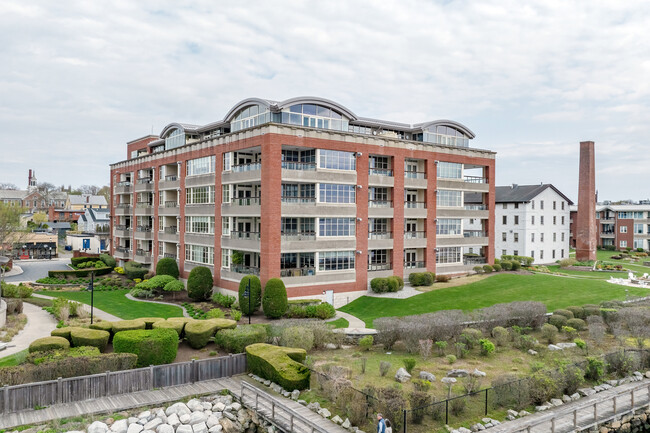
(199, 254)
(225, 193)
(225, 258)
(623, 244)
(448, 226)
(448, 255)
(199, 166)
(225, 226)
(227, 161)
(448, 198)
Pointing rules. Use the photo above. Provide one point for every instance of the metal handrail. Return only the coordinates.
(415, 174)
(413, 265)
(474, 234)
(298, 272)
(297, 165)
(171, 178)
(380, 266)
(171, 203)
(415, 204)
(417, 234)
(380, 235)
(251, 166)
(245, 235)
(380, 203)
(380, 172)
(475, 207)
(291, 199)
(475, 179)
(298, 236)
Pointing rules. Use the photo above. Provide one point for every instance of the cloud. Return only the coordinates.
(80, 79)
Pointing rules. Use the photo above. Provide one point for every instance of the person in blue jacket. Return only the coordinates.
(381, 424)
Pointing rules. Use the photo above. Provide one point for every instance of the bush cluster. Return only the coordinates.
(522, 260)
(167, 266)
(152, 346)
(222, 300)
(236, 340)
(274, 300)
(199, 332)
(16, 291)
(421, 278)
(297, 336)
(155, 283)
(134, 270)
(199, 283)
(389, 284)
(281, 365)
(80, 272)
(49, 343)
(320, 311)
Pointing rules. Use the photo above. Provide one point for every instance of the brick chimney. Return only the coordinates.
(586, 235)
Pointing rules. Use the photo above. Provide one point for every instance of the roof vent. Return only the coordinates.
(514, 185)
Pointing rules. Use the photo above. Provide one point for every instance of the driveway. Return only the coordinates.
(35, 269)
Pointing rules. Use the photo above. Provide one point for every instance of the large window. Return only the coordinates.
(199, 224)
(448, 198)
(450, 170)
(250, 116)
(199, 254)
(335, 260)
(313, 116)
(175, 139)
(336, 226)
(445, 135)
(201, 166)
(336, 193)
(446, 226)
(337, 160)
(638, 229)
(630, 215)
(200, 195)
(225, 226)
(448, 255)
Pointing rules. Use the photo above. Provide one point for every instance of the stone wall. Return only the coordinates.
(639, 423)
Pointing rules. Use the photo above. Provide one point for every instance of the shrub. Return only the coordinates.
(323, 311)
(297, 336)
(16, 291)
(153, 346)
(421, 279)
(549, 333)
(255, 294)
(235, 315)
(580, 343)
(400, 280)
(155, 283)
(571, 377)
(134, 270)
(443, 278)
(577, 324)
(199, 332)
(487, 346)
(222, 300)
(566, 313)
(543, 387)
(595, 369)
(281, 365)
(478, 269)
(366, 342)
(515, 265)
(379, 285)
(524, 342)
(590, 310)
(506, 265)
(457, 406)
(141, 293)
(14, 306)
(89, 337)
(235, 340)
(174, 286)
(409, 364)
(417, 400)
(216, 313)
(64, 332)
(578, 312)
(451, 359)
(108, 260)
(49, 343)
(500, 335)
(393, 284)
(176, 325)
(167, 266)
(619, 363)
(384, 366)
(557, 320)
(199, 283)
(102, 326)
(441, 346)
(128, 325)
(470, 337)
(487, 269)
(496, 267)
(274, 300)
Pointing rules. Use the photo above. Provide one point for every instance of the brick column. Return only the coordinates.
(217, 217)
(155, 225)
(490, 175)
(361, 260)
(398, 215)
(586, 237)
(432, 204)
(271, 208)
(181, 222)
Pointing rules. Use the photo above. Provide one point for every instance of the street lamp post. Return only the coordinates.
(91, 289)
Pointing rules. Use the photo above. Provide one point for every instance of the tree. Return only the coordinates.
(11, 230)
(39, 217)
(199, 283)
(45, 189)
(255, 294)
(167, 266)
(106, 192)
(274, 300)
(8, 185)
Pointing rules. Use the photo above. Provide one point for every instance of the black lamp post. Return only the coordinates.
(247, 294)
(91, 289)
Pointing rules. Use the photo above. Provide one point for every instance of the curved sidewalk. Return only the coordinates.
(185, 314)
(39, 324)
(96, 311)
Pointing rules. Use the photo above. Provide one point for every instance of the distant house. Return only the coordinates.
(86, 201)
(13, 197)
(94, 221)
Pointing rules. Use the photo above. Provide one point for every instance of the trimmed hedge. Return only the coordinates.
(109, 260)
(149, 321)
(102, 326)
(281, 365)
(64, 332)
(256, 294)
(79, 272)
(167, 266)
(49, 343)
(176, 325)
(236, 340)
(89, 337)
(274, 301)
(199, 283)
(155, 283)
(199, 332)
(128, 325)
(153, 346)
(133, 270)
(75, 261)
(422, 278)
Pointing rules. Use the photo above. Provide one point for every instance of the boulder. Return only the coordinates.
(295, 394)
(151, 425)
(212, 421)
(173, 420)
(457, 373)
(194, 405)
(346, 424)
(553, 347)
(402, 375)
(134, 428)
(97, 427)
(337, 419)
(200, 428)
(324, 413)
(448, 380)
(532, 352)
(177, 408)
(478, 373)
(315, 406)
(216, 429)
(219, 407)
(424, 375)
(165, 428)
(197, 418)
(228, 425)
(185, 418)
(566, 345)
(575, 396)
(556, 402)
(513, 413)
(586, 392)
(146, 414)
(183, 428)
(120, 426)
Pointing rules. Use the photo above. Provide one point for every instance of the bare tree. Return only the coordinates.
(8, 185)
(89, 189)
(45, 189)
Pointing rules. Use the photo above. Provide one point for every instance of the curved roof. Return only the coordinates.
(444, 122)
(187, 127)
(318, 101)
(245, 103)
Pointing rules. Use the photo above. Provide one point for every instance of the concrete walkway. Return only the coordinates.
(96, 313)
(353, 322)
(39, 324)
(185, 314)
(15, 270)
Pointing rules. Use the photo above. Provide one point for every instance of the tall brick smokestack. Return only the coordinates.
(586, 235)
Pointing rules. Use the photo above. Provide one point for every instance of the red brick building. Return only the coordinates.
(620, 226)
(304, 190)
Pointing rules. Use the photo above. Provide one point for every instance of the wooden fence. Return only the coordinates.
(73, 389)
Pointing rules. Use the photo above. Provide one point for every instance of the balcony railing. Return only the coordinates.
(295, 165)
(122, 227)
(474, 234)
(608, 232)
(170, 256)
(171, 230)
(475, 179)
(172, 203)
(415, 204)
(298, 236)
(141, 252)
(297, 272)
(380, 172)
(143, 228)
(254, 236)
(123, 250)
(380, 266)
(415, 235)
(474, 260)
(475, 207)
(143, 205)
(246, 201)
(124, 183)
(380, 235)
(414, 265)
(251, 166)
(380, 203)
(123, 205)
(298, 200)
(243, 269)
(415, 175)
(144, 180)
(171, 178)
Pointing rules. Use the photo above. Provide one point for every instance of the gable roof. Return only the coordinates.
(524, 193)
(98, 200)
(13, 194)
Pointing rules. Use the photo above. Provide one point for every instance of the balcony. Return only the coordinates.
(246, 270)
(415, 209)
(144, 184)
(415, 175)
(297, 272)
(169, 209)
(143, 256)
(467, 183)
(295, 165)
(374, 267)
(122, 253)
(415, 239)
(169, 234)
(380, 203)
(474, 234)
(608, 234)
(415, 204)
(414, 265)
(474, 260)
(380, 172)
(380, 235)
(123, 187)
(298, 200)
(123, 209)
(243, 206)
(169, 182)
(170, 256)
(298, 236)
(143, 232)
(251, 166)
(475, 179)
(171, 230)
(144, 208)
(254, 236)
(415, 179)
(122, 231)
(415, 235)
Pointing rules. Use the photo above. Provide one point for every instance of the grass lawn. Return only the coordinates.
(555, 292)
(340, 323)
(117, 304)
(15, 359)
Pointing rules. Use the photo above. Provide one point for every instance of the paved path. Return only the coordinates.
(353, 321)
(35, 269)
(97, 312)
(39, 324)
(128, 295)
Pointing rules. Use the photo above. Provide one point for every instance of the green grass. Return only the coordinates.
(15, 359)
(556, 292)
(339, 323)
(117, 304)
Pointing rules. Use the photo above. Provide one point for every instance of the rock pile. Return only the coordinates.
(637, 423)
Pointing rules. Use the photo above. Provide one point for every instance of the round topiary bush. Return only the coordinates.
(496, 267)
(103, 326)
(167, 266)
(379, 285)
(199, 283)
(274, 300)
(174, 286)
(256, 294)
(48, 343)
(64, 332)
(128, 325)
(393, 284)
(577, 324)
(557, 320)
(578, 312)
(566, 313)
(90, 337)
(153, 346)
(149, 321)
(108, 260)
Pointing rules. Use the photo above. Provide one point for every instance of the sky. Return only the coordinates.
(530, 78)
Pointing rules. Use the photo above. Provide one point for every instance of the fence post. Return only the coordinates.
(230, 365)
(595, 413)
(107, 384)
(486, 401)
(151, 378)
(632, 399)
(614, 405)
(447, 411)
(575, 418)
(193, 371)
(6, 398)
(404, 410)
(59, 390)
(553, 425)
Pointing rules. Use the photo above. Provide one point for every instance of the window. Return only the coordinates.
(630, 215)
(335, 260)
(199, 166)
(336, 193)
(225, 193)
(541, 237)
(337, 160)
(336, 226)
(377, 193)
(554, 237)
(638, 229)
(504, 237)
(449, 170)
(378, 257)
(541, 204)
(161, 223)
(225, 258)
(448, 255)
(638, 243)
(562, 209)
(227, 161)
(554, 220)
(377, 225)
(503, 252)
(173, 140)
(288, 261)
(554, 208)
(225, 226)
(516, 219)
(199, 224)
(505, 205)
(541, 254)
(515, 252)
(504, 220)
(199, 195)
(447, 198)
(449, 226)
(553, 252)
(161, 248)
(199, 254)
(516, 237)
(380, 163)
(562, 220)
(623, 244)
(562, 239)
(532, 205)
(532, 253)
(541, 219)
(532, 237)
(516, 205)
(623, 229)
(532, 220)
(313, 116)
(562, 251)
